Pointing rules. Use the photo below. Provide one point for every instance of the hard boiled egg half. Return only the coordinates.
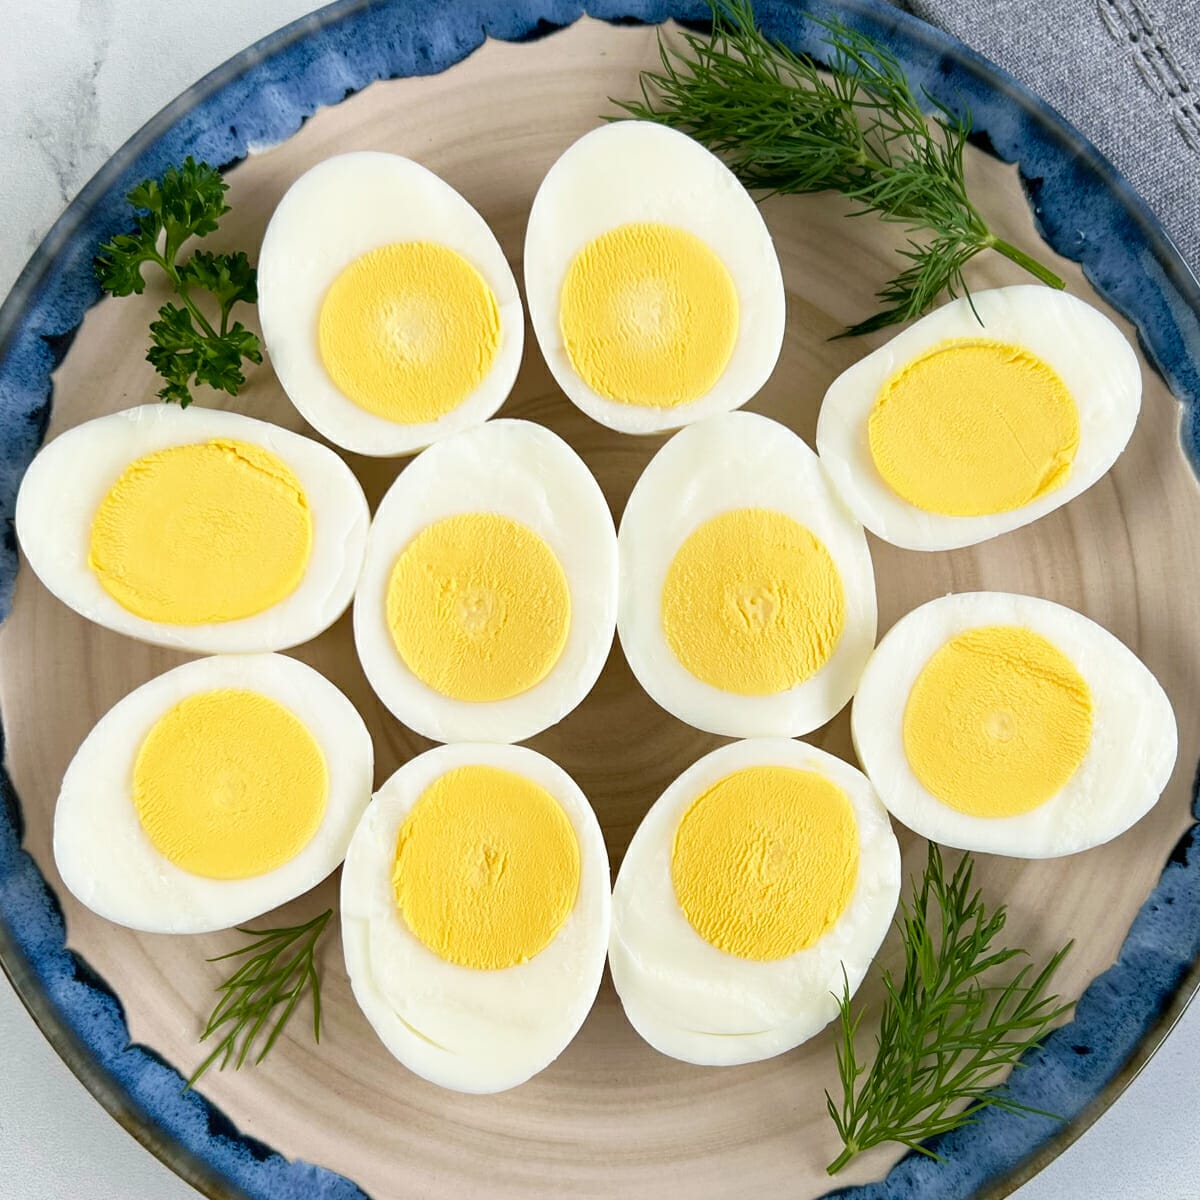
(1012, 725)
(653, 284)
(212, 794)
(475, 914)
(765, 871)
(387, 306)
(193, 528)
(489, 595)
(747, 594)
(981, 417)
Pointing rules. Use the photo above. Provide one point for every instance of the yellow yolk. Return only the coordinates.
(753, 603)
(408, 331)
(648, 315)
(487, 868)
(478, 607)
(974, 427)
(765, 861)
(203, 533)
(997, 722)
(229, 784)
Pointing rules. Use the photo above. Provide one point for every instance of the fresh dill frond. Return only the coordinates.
(187, 202)
(787, 124)
(947, 1029)
(265, 988)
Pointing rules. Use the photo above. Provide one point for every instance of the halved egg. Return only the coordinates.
(475, 914)
(488, 600)
(196, 529)
(983, 416)
(1012, 725)
(765, 871)
(747, 594)
(212, 794)
(388, 309)
(652, 281)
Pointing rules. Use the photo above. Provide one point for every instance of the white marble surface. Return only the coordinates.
(77, 77)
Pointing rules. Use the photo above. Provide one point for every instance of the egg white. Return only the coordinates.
(1130, 759)
(332, 215)
(697, 1003)
(1090, 355)
(470, 1030)
(634, 171)
(732, 461)
(522, 471)
(68, 480)
(105, 857)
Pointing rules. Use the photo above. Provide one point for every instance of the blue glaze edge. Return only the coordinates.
(1083, 209)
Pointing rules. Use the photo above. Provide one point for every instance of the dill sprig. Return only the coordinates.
(278, 973)
(946, 1032)
(787, 124)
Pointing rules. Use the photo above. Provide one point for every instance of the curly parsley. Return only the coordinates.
(186, 346)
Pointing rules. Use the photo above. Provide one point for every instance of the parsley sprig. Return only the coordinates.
(187, 202)
(789, 125)
(266, 987)
(946, 1029)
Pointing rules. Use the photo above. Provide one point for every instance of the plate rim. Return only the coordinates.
(1179, 293)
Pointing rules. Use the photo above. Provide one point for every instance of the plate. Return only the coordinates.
(611, 1116)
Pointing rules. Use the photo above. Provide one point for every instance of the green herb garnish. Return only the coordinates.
(788, 125)
(945, 1032)
(188, 202)
(277, 975)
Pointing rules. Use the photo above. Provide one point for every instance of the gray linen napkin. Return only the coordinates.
(1126, 73)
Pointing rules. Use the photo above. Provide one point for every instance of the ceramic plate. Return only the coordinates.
(487, 95)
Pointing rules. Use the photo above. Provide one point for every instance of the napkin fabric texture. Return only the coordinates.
(1126, 73)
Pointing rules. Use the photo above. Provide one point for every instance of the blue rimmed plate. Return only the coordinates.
(487, 95)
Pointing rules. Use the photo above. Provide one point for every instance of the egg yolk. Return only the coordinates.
(974, 427)
(997, 722)
(203, 533)
(478, 607)
(753, 603)
(229, 784)
(408, 331)
(648, 315)
(764, 862)
(487, 868)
